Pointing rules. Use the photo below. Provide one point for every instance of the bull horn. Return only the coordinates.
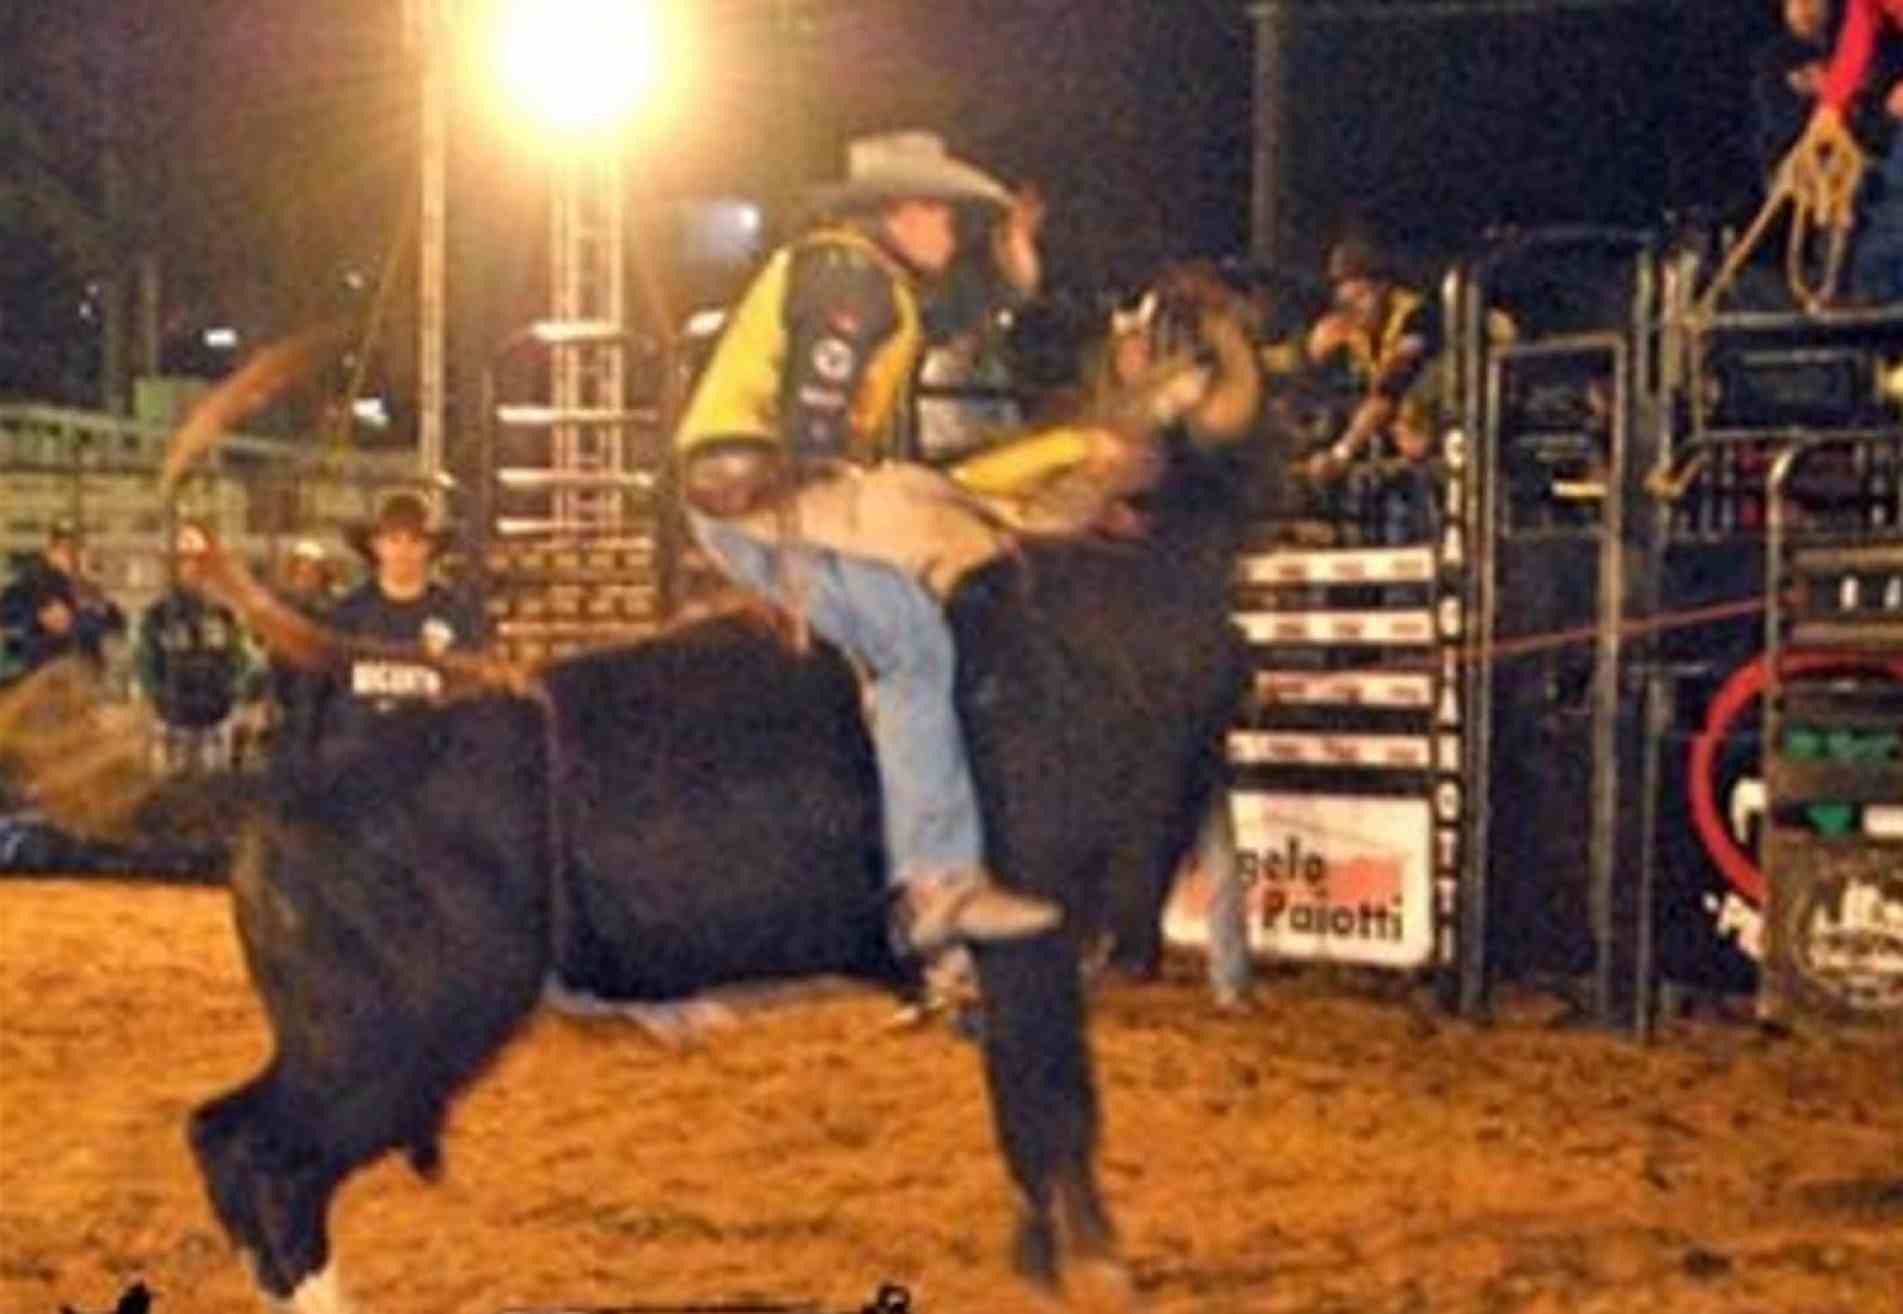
(285, 632)
(252, 386)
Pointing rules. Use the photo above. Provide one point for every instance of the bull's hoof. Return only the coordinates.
(1034, 1253)
(1101, 1285)
(318, 1293)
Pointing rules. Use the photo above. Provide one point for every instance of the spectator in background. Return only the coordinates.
(1787, 72)
(306, 583)
(308, 578)
(1382, 335)
(1788, 78)
(51, 609)
(400, 604)
(1385, 339)
(1856, 70)
(193, 661)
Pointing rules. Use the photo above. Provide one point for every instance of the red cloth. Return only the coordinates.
(1864, 21)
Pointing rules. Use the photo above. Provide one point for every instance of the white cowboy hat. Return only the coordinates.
(899, 166)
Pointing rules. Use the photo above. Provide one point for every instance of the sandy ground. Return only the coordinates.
(1344, 1150)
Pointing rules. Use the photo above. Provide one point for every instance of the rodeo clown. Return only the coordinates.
(399, 603)
(798, 485)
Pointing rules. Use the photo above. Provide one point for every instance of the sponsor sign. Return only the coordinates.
(1299, 748)
(1345, 688)
(1338, 566)
(1370, 627)
(1327, 878)
(1851, 946)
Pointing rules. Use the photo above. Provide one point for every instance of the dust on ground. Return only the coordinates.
(1345, 1150)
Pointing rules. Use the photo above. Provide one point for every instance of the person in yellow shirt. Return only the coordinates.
(794, 466)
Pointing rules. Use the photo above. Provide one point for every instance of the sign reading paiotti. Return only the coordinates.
(1335, 878)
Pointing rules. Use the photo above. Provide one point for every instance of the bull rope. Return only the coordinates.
(1704, 745)
(1661, 623)
(1819, 180)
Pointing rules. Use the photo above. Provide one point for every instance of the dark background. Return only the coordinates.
(266, 148)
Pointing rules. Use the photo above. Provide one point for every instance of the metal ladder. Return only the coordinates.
(573, 511)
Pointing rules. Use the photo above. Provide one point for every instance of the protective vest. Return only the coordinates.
(739, 394)
(1371, 351)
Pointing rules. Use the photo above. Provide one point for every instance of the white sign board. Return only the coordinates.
(1339, 879)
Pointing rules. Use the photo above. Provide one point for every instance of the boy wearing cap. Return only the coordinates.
(400, 603)
(792, 466)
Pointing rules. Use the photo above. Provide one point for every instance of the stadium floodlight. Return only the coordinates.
(582, 68)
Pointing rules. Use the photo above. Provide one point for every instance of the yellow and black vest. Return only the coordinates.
(738, 396)
(1371, 352)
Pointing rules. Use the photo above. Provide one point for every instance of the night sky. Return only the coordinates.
(1432, 119)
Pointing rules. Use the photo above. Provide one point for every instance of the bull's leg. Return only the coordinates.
(389, 984)
(270, 1187)
(1044, 1104)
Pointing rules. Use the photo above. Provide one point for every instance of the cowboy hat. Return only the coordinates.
(403, 512)
(902, 166)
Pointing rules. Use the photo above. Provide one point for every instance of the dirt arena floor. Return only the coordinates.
(1337, 1152)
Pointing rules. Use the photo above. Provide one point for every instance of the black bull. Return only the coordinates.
(701, 810)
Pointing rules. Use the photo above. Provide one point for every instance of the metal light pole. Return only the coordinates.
(427, 23)
(1269, 163)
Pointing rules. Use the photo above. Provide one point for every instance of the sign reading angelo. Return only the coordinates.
(1340, 879)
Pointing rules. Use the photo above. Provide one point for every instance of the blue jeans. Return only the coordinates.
(1230, 971)
(1876, 265)
(887, 620)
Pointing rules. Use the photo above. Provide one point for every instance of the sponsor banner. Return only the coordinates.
(1325, 878)
(1288, 748)
(1345, 688)
(1338, 566)
(1851, 945)
(1372, 627)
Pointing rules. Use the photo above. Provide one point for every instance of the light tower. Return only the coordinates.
(426, 27)
(570, 483)
(588, 284)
